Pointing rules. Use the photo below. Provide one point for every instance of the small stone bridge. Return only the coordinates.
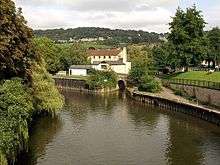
(122, 81)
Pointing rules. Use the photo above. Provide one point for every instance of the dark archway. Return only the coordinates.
(121, 85)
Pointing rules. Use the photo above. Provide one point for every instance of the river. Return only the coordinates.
(115, 130)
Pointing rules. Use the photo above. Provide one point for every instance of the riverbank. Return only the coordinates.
(176, 103)
(19, 105)
(80, 85)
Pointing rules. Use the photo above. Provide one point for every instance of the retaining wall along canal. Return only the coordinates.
(204, 113)
(204, 95)
(79, 85)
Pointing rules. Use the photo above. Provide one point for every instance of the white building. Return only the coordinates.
(104, 59)
(79, 70)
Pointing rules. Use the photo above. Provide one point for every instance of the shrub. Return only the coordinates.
(149, 84)
(102, 79)
(46, 96)
(15, 111)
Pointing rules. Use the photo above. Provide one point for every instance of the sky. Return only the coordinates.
(147, 15)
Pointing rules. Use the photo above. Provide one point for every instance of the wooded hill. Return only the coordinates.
(117, 35)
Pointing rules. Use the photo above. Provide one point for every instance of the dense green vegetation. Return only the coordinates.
(198, 75)
(75, 54)
(101, 79)
(50, 53)
(15, 111)
(188, 44)
(45, 95)
(149, 84)
(142, 73)
(60, 56)
(113, 37)
(16, 50)
(26, 89)
(214, 46)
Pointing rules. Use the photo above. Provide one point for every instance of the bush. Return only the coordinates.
(102, 79)
(15, 111)
(46, 96)
(149, 84)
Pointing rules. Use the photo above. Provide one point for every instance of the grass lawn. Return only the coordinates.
(199, 75)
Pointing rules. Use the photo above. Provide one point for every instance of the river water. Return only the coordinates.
(115, 130)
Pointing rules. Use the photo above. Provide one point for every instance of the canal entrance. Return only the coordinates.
(121, 85)
(115, 130)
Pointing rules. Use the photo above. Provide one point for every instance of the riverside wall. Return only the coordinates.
(203, 95)
(79, 85)
(201, 112)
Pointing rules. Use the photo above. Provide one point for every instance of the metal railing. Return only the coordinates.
(190, 82)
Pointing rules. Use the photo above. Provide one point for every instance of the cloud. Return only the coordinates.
(212, 17)
(151, 15)
(97, 5)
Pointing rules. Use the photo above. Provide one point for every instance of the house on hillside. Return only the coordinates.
(104, 59)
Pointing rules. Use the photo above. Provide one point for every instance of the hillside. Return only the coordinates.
(103, 34)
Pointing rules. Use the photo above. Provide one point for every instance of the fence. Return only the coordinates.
(203, 69)
(198, 83)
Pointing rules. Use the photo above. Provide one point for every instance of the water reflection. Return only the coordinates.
(189, 142)
(113, 129)
(43, 132)
(188, 138)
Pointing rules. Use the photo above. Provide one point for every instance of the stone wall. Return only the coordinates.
(79, 85)
(70, 83)
(203, 95)
(201, 112)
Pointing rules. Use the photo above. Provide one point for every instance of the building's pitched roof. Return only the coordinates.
(81, 67)
(104, 52)
(108, 62)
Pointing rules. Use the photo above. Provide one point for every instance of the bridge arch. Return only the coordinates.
(122, 81)
(121, 84)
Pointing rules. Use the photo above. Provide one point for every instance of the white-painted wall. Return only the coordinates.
(120, 69)
(78, 72)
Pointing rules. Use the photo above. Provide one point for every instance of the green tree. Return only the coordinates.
(46, 97)
(21, 97)
(16, 50)
(50, 52)
(15, 111)
(214, 46)
(149, 84)
(102, 79)
(141, 63)
(187, 37)
(73, 55)
(164, 57)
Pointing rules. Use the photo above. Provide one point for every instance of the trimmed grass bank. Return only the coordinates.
(198, 75)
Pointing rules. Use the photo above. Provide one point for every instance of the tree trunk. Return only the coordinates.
(214, 62)
(209, 65)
